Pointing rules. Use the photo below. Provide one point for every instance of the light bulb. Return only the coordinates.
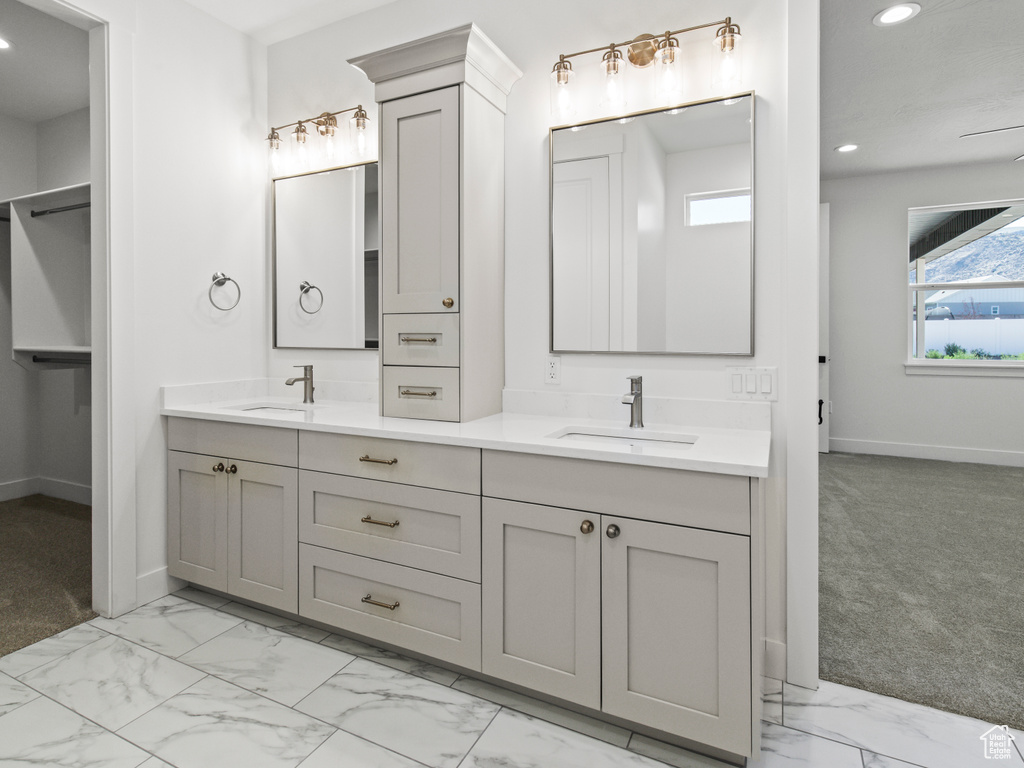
(330, 149)
(670, 81)
(614, 88)
(727, 77)
(357, 128)
(562, 86)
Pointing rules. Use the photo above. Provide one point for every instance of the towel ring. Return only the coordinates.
(219, 279)
(304, 288)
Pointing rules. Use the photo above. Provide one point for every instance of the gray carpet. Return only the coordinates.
(922, 582)
(45, 569)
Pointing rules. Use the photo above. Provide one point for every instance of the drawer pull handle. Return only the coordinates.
(389, 462)
(371, 521)
(389, 606)
(410, 393)
(412, 339)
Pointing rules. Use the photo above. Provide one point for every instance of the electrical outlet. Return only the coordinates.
(553, 370)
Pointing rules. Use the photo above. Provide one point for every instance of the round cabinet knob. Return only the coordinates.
(448, 303)
(586, 526)
(613, 531)
(232, 469)
(219, 467)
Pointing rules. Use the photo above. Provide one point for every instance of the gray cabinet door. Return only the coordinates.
(541, 597)
(196, 524)
(676, 631)
(420, 202)
(262, 522)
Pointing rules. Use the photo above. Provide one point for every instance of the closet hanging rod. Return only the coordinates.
(60, 210)
(61, 360)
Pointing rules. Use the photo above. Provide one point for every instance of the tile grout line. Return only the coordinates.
(476, 741)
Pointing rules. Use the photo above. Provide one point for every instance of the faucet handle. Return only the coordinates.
(305, 368)
(635, 383)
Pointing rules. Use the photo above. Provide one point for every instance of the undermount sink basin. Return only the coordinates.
(274, 408)
(631, 440)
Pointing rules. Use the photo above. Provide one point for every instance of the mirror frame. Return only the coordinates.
(273, 251)
(551, 221)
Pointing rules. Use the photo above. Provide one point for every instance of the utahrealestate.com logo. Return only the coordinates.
(998, 743)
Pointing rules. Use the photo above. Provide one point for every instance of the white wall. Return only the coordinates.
(876, 406)
(17, 157)
(308, 75)
(701, 257)
(63, 150)
(200, 185)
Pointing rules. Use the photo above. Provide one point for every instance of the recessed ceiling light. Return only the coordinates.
(846, 148)
(4, 44)
(896, 14)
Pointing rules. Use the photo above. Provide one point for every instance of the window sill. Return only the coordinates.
(993, 369)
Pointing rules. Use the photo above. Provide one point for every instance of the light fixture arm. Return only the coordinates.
(724, 24)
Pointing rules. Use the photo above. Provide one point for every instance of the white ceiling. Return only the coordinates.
(45, 72)
(271, 21)
(905, 93)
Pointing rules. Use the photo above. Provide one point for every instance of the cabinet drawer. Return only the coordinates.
(421, 393)
(434, 530)
(447, 467)
(421, 340)
(435, 615)
(696, 499)
(267, 445)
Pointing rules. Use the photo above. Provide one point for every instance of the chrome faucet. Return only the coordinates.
(307, 382)
(635, 400)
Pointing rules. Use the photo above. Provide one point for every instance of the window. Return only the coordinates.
(725, 207)
(966, 269)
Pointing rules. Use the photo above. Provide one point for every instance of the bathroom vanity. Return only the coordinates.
(621, 577)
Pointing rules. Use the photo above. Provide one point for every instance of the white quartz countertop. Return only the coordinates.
(724, 451)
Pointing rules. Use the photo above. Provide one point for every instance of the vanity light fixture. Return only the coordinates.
(642, 52)
(896, 14)
(326, 127)
(4, 44)
(846, 148)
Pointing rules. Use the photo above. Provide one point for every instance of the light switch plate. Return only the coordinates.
(752, 383)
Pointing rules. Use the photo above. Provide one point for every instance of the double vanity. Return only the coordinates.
(614, 570)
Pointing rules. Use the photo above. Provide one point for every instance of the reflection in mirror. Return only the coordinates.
(325, 259)
(651, 232)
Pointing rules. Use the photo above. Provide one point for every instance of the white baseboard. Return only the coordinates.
(156, 584)
(62, 489)
(16, 489)
(774, 659)
(937, 452)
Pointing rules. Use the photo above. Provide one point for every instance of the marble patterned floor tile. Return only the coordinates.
(215, 724)
(112, 681)
(13, 694)
(871, 760)
(274, 664)
(43, 733)
(671, 754)
(348, 751)
(887, 726)
(35, 655)
(281, 623)
(169, 625)
(566, 718)
(406, 714)
(518, 740)
(391, 659)
(208, 599)
(771, 700)
(786, 748)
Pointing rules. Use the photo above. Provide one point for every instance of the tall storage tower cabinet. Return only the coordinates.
(442, 197)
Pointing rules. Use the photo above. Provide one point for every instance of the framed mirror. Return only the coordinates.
(325, 259)
(652, 232)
